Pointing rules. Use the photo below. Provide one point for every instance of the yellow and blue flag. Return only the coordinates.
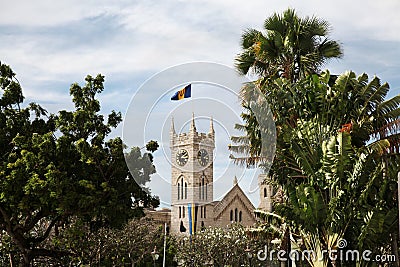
(192, 217)
(184, 93)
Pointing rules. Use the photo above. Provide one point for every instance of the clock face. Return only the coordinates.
(182, 157)
(202, 157)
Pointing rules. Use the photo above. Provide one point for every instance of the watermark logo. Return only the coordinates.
(339, 254)
(342, 243)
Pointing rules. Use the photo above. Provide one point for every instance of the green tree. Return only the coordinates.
(55, 168)
(290, 47)
(329, 161)
(333, 188)
(337, 136)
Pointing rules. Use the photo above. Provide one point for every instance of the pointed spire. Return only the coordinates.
(192, 125)
(211, 127)
(235, 181)
(172, 131)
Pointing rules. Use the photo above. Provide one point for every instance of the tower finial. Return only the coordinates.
(172, 131)
(211, 126)
(192, 125)
(235, 181)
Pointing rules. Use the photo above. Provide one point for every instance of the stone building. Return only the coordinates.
(266, 193)
(192, 182)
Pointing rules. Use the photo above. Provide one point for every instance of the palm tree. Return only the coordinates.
(332, 134)
(291, 47)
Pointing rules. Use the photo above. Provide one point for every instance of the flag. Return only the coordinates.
(184, 93)
(190, 218)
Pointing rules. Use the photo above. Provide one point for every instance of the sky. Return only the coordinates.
(52, 44)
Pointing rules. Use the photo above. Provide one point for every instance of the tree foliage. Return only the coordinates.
(337, 137)
(216, 246)
(130, 245)
(335, 160)
(58, 167)
(289, 47)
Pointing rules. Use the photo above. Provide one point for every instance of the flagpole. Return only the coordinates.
(165, 242)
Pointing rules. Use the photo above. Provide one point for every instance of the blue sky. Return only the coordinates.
(51, 44)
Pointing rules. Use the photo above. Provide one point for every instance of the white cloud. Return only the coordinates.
(52, 13)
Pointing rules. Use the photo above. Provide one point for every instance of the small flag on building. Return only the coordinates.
(190, 218)
(193, 218)
(184, 93)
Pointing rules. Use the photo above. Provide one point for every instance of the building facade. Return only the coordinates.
(192, 185)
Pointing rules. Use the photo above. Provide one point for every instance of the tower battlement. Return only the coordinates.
(206, 139)
(184, 138)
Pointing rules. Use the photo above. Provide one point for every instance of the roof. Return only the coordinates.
(235, 193)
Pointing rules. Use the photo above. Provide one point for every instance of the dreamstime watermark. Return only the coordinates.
(339, 254)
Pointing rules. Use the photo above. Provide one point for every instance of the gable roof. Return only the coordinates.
(235, 193)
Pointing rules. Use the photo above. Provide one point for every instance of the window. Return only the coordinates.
(179, 188)
(231, 217)
(202, 188)
(206, 191)
(180, 212)
(236, 215)
(204, 212)
(185, 190)
(183, 212)
(182, 188)
(201, 212)
(240, 216)
(265, 192)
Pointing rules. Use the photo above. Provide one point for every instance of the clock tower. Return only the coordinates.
(192, 156)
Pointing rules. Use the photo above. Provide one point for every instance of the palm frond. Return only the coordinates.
(250, 37)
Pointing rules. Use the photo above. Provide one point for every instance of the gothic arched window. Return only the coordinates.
(202, 188)
(185, 190)
(180, 212)
(265, 192)
(240, 216)
(204, 212)
(182, 188)
(231, 217)
(179, 188)
(236, 214)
